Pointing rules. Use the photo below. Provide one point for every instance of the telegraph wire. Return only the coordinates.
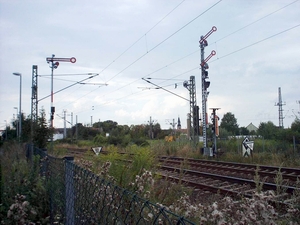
(77, 82)
(198, 50)
(225, 37)
(155, 45)
(256, 21)
(82, 96)
(137, 92)
(257, 42)
(69, 86)
(164, 40)
(141, 37)
(188, 71)
(159, 87)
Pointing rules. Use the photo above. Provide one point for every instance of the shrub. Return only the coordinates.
(23, 193)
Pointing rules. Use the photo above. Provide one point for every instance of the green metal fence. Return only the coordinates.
(77, 196)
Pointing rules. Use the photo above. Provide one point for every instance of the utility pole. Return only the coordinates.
(215, 128)
(5, 130)
(151, 135)
(76, 130)
(65, 125)
(298, 102)
(205, 85)
(66, 121)
(280, 110)
(173, 124)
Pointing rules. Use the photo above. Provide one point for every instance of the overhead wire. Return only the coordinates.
(257, 42)
(215, 41)
(141, 37)
(143, 55)
(158, 43)
(261, 18)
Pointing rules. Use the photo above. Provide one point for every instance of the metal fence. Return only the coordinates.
(77, 196)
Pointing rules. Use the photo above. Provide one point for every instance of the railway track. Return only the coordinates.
(226, 178)
(247, 171)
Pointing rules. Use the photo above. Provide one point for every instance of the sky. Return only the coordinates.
(124, 42)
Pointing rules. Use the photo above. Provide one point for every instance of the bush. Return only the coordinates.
(23, 193)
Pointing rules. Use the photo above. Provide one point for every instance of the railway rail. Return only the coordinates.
(227, 178)
(247, 171)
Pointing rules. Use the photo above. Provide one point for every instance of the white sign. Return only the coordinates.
(247, 147)
(97, 150)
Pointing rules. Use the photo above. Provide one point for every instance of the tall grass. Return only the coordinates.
(24, 197)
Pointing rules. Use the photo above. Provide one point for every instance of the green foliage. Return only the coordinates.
(229, 123)
(41, 131)
(100, 140)
(83, 143)
(143, 158)
(244, 131)
(295, 127)
(267, 130)
(22, 184)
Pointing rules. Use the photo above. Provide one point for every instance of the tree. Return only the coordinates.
(267, 130)
(296, 125)
(42, 132)
(244, 131)
(229, 123)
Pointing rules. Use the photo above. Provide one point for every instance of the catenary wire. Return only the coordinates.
(235, 51)
(141, 37)
(224, 38)
(143, 55)
(158, 43)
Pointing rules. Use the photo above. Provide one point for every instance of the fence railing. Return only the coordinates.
(77, 196)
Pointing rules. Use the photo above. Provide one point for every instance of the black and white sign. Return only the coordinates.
(247, 147)
(97, 150)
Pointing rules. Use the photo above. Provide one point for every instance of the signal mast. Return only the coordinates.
(205, 84)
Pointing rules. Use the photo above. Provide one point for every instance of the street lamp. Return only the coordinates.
(17, 121)
(20, 103)
(5, 130)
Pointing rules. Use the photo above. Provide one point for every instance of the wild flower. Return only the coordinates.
(20, 211)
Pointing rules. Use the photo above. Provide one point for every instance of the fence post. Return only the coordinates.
(69, 171)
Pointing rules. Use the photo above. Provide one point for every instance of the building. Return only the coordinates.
(252, 128)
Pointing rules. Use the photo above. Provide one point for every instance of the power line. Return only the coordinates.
(198, 50)
(216, 59)
(274, 35)
(164, 40)
(256, 21)
(141, 37)
(157, 44)
(69, 86)
(159, 87)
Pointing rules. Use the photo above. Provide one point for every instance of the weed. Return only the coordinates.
(258, 183)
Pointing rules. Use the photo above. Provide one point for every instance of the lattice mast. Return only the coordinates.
(34, 100)
(280, 110)
(205, 84)
(194, 111)
(192, 107)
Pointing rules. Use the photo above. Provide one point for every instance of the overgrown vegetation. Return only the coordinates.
(24, 197)
(24, 192)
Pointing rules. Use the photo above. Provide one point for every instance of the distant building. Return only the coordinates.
(251, 127)
(178, 124)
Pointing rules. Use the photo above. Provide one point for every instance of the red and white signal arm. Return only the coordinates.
(73, 60)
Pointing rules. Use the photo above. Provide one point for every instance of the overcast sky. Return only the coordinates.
(257, 44)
